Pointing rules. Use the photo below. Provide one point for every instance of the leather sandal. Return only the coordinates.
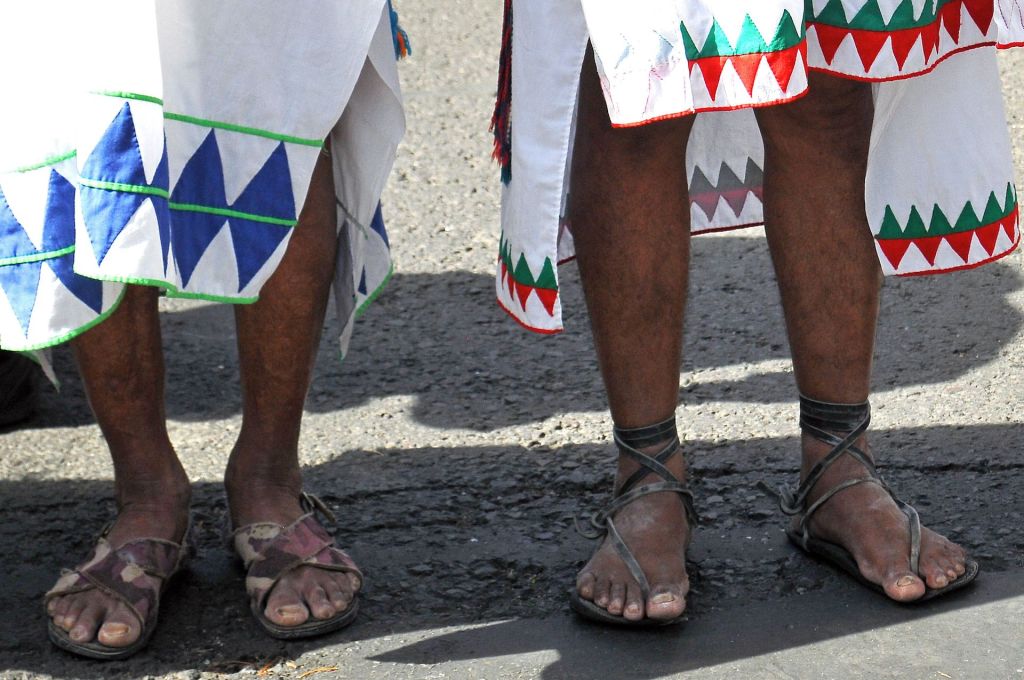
(823, 420)
(270, 551)
(135, 574)
(601, 522)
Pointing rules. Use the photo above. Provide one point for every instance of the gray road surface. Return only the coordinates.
(456, 447)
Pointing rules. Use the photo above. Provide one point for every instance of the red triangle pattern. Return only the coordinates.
(782, 64)
(869, 44)
(521, 291)
(895, 248)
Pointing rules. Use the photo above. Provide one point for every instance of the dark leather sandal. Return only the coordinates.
(136, 574)
(270, 551)
(601, 523)
(823, 420)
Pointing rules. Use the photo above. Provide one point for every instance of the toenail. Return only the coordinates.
(115, 629)
(79, 634)
(663, 598)
(905, 581)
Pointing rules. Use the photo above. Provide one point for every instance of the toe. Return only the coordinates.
(72, 612)
(338, 593)
(120, 627)
(285, 607)
(666, 603)
(602, 592)
(355, 582)
(87, 622)
(936, 576)
(634, 609)
(618, 599)
(904, 587)
(585, 585)
(318, 603)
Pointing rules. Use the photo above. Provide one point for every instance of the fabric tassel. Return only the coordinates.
(402, 46)
(501, 125)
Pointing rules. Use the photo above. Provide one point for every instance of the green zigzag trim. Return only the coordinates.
(939, 225)
(750, 40)
(870, 18)
(520, 271)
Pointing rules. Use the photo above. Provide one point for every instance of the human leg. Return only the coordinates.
(816, 152)
(278, 338)
(630, 222)
(121, 363)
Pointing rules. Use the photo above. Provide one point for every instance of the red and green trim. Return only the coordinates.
(518, 278)
(894, 238)
(781, 52)
(871, 32)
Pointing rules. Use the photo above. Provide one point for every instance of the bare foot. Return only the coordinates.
(304, 592)
(866, 521)
(147, 510)
(656, 530)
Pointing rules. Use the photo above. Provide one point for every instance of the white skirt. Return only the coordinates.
(940, 192)
(172, 144)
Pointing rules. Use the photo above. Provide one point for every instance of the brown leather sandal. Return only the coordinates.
(602, 523)
(269, 551)
(826, 422)
(136, 574)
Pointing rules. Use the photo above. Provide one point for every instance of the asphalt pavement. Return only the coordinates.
(456, 448)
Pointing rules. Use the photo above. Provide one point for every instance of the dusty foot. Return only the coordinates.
(304, 592)
(865, 520)
(147, 510)
(656, 530)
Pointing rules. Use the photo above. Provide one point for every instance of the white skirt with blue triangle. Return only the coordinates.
(172, 144)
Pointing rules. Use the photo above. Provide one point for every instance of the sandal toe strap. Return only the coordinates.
(133, 574)
(270, 551)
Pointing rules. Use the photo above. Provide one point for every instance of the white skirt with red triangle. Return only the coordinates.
(940, 192)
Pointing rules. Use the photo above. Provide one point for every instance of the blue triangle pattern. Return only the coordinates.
(270, 191)
(89, 291)
(377, 224)
(201, 183)
(202, 178)
(59, 223)
(254, 243)
(193, 233)
(163, 212)
(269, 194)
(20, 283)
(362, 282)
(116, 158)
(59, 233)
(14, 242)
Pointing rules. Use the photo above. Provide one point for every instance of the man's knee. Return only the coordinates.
(836, 108)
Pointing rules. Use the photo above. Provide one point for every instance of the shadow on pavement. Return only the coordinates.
(476, 535)
(442, 339)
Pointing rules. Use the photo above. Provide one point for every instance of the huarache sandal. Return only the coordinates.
(270, 551)
(602, 524)
(136, 574)
(822, 420)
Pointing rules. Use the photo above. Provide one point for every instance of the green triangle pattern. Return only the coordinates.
(750, 40)
(520, 270)
(939, 224)
(870, 18)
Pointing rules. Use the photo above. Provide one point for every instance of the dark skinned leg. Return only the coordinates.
(121, 363)
(631, 226)
(829, 278)
(278, 338)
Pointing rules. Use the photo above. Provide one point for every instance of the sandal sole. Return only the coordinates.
(590, 611)
(311, 629)
(94, 650)
(840, 558)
